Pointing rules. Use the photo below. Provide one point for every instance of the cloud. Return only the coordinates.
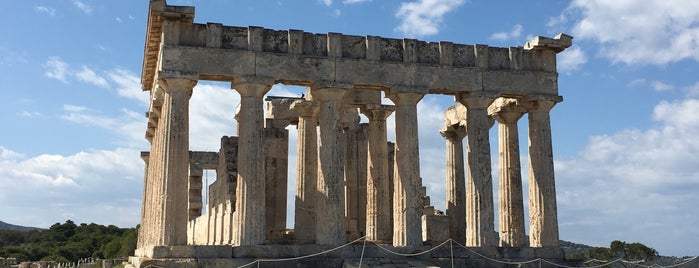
(56, 69)
(693, 90)
(87, 9)
(29, 114)
(504, 36)
(128, 85)
(355, 1)
(571, 59)
(660, 86)
(654, 85)
(619, 184)
(653, 32)
(327, 2)
(87, 75)
(45, 10)
(423, 17)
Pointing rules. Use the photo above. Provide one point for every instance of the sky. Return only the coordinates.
(625, 137)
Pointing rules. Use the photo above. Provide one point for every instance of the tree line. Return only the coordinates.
(68, 242)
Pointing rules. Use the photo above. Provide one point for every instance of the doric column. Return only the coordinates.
(146, 200)
(378, 207)
(306, 172)
(456, 182)
(330, 199)
(276, 169)
(249, 217)
(510, 200)
(175, 146)
(543, 216)
(479, 182)
(407, 206)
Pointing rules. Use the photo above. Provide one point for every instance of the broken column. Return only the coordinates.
(249, 221)
(510, 201)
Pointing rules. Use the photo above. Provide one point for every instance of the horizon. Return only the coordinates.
(623, 137)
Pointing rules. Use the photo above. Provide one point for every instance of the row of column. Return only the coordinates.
(166, 221)
(475, 197)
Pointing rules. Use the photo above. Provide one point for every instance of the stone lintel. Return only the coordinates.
(540, 102)
(556, 44)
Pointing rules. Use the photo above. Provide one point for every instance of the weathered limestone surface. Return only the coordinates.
(350, 180)
(378, 207)
(249, 214)
(543, 215)
(407, 206)
(306, 172)
(510, 200)
(276, 144)
(456, 182)
(479, 183)
(330, 200)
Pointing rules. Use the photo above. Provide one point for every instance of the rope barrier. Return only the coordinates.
(258, 261)
(451, 248)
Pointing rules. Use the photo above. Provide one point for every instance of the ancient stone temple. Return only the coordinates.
(351, 182)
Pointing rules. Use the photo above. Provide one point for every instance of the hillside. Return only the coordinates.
(7, 226)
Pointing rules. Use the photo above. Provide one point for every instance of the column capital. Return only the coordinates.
(252, 86)
(377, 111)
(454, 132)
(170, 82)
(540, 103)
(405, 98)
(506, 110)
(476, 100)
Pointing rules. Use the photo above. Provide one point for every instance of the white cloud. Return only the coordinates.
(423, 17)
(56, 69)
(87, 9)
(327, 2)
(638, 32)
(355, 1)
(45, 10)
(503, 36)
(128, 85)
(89, 76)
(693, 90)
(571, 59)
(660, 86)
(29, 114)
(620, 183)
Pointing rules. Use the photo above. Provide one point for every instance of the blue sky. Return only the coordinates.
(625, 145)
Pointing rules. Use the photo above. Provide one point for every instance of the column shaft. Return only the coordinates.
(306, 173)
(249, 215)
(479, 182)
(510, 200)
(176, 155)
(331, 200)
(542, 187)
(456, 183)
(407, 207)
(378, 208)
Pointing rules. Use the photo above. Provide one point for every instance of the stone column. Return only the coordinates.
(175, 118)
(543, 216)
(306, 173)
(378, 207)
(330, 203)
(456, 182)
(276, 163)
(249, 217)
(407, 207)
(146, 200)
(479, 183)
(510, 200)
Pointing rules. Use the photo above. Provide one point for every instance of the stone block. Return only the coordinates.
(435, 229)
